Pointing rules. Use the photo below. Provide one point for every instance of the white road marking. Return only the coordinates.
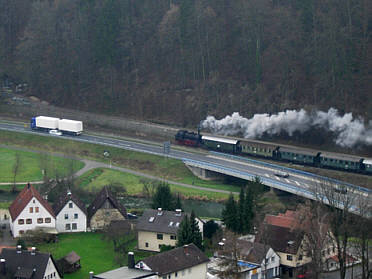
(297, 183)
(277, 178)
(287, 181)
(267, 175)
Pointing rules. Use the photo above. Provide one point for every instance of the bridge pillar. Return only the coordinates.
(205, 174)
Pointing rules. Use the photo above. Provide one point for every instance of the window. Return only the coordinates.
(159, 236)
(70, 205)
(169, 276)
(76, 216)
(68, 227)
(159, 246)
(189, 270)
(272, 259)
(33, 201)
(289, 258)
(40, 220)
(300, 257)
(31, 209)
(48, 220)
(74, 226)
(28, 221)
(21, 221)
(21, 232)
(176, 274)
(173, 237)
(147, 244)
(37, 209)
(66, 216)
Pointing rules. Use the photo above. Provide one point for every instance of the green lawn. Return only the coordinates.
(31, 164)
(97, 178)
(151, 164)
(96, 254)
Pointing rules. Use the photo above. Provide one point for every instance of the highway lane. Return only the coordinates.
(301, 183)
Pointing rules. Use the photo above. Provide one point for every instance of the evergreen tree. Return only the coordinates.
(178, 204)
(197, 238)
(241, 216)
(163, 198)
(248, 210)
(229, 214)
(184, 234)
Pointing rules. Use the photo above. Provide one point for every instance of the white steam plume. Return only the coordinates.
(349, 131)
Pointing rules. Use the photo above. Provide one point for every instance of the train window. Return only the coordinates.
(269, 150)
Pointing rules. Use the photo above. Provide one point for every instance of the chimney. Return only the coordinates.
(178, 212)
(186, 249)
(69, 193)
(19, 249)
(2, 266)
(160, 211)
(33, 251)
(130, 260)
(91, 274)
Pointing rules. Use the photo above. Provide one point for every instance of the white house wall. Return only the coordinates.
(34, 216)
(51, 271)
(81, 221)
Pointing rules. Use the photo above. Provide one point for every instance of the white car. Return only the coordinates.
(281, 174)
(55, 132)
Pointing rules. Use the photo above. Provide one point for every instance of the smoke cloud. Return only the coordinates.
(348, 131)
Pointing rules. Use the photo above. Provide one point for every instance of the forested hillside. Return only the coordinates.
(179, 60)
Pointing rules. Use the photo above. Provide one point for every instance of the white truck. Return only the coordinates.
(56, 125)
(72, 127)
(44, 123)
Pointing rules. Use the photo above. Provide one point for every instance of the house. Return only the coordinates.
(71, 214)
(30, 211)
(104, 209)
(159, 227)
(255, 260)
(128, 272)
(17, 263)
(295, 228)
(186, 262)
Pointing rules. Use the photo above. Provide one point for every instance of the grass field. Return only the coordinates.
(96, 254)
(151, 164)
(97, 178)
(31, 165)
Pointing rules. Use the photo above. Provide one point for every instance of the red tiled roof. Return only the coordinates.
(22, 200)
(281, 221)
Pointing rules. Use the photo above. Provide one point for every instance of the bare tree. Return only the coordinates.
(339, 203)
(363, 231)
(16, 168)
(229, 256)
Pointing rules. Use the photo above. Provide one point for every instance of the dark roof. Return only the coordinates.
(22, 200)
(72, 257)
(25, 262)
(176, 259)
(281, 239)
(165, 223)
(102, 196)
(252, 252)
(64, 199)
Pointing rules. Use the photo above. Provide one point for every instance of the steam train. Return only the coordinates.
(276, 152)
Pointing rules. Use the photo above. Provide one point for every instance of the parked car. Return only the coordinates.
(55, 132)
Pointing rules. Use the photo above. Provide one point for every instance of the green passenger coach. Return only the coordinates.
(221, 144)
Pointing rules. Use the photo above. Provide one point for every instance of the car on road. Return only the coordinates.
(55, 132)
(281, 174)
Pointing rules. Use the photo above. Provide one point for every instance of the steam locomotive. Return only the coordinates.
(284, 153)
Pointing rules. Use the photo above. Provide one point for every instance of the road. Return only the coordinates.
(299, 183)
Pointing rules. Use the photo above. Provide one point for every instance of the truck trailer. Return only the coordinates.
(72, 127)
(44, 123)
(65, 126)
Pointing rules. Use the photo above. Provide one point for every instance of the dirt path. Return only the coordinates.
(90, 164)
